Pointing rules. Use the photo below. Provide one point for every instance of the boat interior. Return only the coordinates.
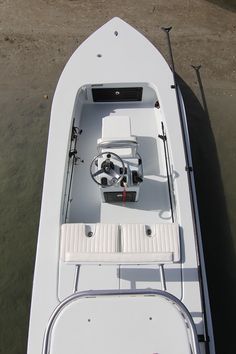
(134, 126)
(118, 205)
(118, 224)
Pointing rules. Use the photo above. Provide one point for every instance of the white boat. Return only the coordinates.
(119, 266)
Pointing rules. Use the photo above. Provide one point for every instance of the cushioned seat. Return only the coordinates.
(134, 244)
(88, 242)
(159, 239)
(116, 136)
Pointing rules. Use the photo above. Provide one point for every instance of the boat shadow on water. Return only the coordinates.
(216, 234)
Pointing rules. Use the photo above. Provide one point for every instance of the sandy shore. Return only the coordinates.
(36, 40)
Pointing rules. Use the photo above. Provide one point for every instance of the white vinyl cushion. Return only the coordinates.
(133, 246)
(163, 238)
(76, 245)
(115, 127)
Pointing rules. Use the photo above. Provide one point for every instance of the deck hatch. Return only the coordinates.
(117, 94)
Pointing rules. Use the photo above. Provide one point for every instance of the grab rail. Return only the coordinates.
(102, 293)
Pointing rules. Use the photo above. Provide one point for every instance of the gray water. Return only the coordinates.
(226, 4)
(35, 43)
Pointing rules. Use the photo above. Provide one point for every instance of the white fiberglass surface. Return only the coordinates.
(153, 205)
(140, 325)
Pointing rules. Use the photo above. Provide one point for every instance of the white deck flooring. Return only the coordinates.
(153, 205)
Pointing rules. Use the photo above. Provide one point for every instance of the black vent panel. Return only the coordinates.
(119, 94)
(117, 197)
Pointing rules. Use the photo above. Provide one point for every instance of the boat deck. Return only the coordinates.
(130, 324)
(153, 205)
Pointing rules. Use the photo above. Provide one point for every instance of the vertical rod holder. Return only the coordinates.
(76, 279)
(162, 276)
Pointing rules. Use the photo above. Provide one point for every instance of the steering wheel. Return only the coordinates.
(108, 167)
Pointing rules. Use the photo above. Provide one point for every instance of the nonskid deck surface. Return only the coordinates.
(153, 205)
